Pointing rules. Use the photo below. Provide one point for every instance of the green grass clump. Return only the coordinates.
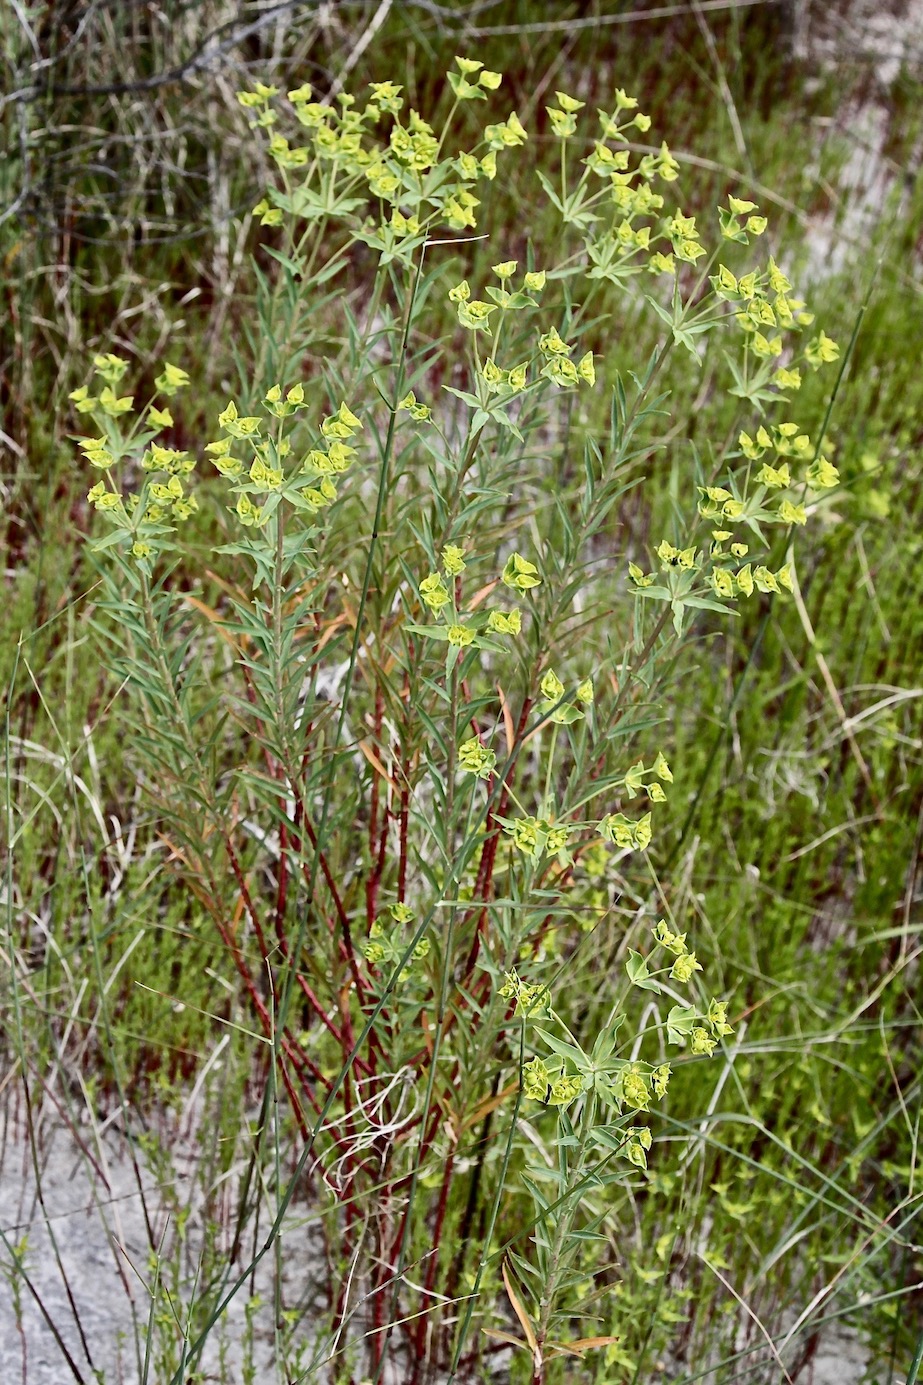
(463, 777)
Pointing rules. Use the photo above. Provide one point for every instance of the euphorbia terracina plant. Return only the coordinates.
(397, 721)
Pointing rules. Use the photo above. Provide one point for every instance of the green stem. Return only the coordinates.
(463, 468)
(163, 668)
(486, 1257)
(323, 827)
(546, 798)
(442, 1007)
(565, 1222)
(277, 641)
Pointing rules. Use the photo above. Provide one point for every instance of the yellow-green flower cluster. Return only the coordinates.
(142, 520)
(509, 134)
(635, 1091)
(440, 592)
(407, 187)
(258, 100)
(673, 942)
(551, 1085)
(505, 622)
(778, 449)
(476, 90)
(102, 499)
(171, 379)
(786, 440)
(265, 476)
(675, 557)
(559, 711)
(416, 146)
(684, 968)
(476, 759)
(530, 1000)
(766, 307)
(469, 167)
(473, 313)
(535, 836)
(632, 198)
(634, 1084)
(387, 947)
(421, 413)
(747, 579)
(648, 780)
(684, 1022)
(703, 1041)
(453, 560)
(660, 1079)
(563, 117)
(96, 451)
(519, 573)
(637, 1141)
(622, 248)
(722, 582)
(558, 365)
(434, 592)
(741, 219)
(497, 384)
(684, 237)
(821, 350)
(169, 459)
(332, 458)
(624, 833)
(115, 405)
(112, 370)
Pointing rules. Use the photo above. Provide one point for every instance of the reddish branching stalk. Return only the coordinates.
(265, 1019)
(250, 907)
(347, 951)
(377, 841)
(404, 811)
(282, 883)
(433, 1264)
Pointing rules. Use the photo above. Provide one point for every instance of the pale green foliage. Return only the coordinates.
(397, 710)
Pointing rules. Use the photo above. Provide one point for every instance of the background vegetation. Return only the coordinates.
(793, 842)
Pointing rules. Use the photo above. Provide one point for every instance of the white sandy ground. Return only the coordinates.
(87, 1259)
(878, 38)
(102, 1242)
(98, 1232)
